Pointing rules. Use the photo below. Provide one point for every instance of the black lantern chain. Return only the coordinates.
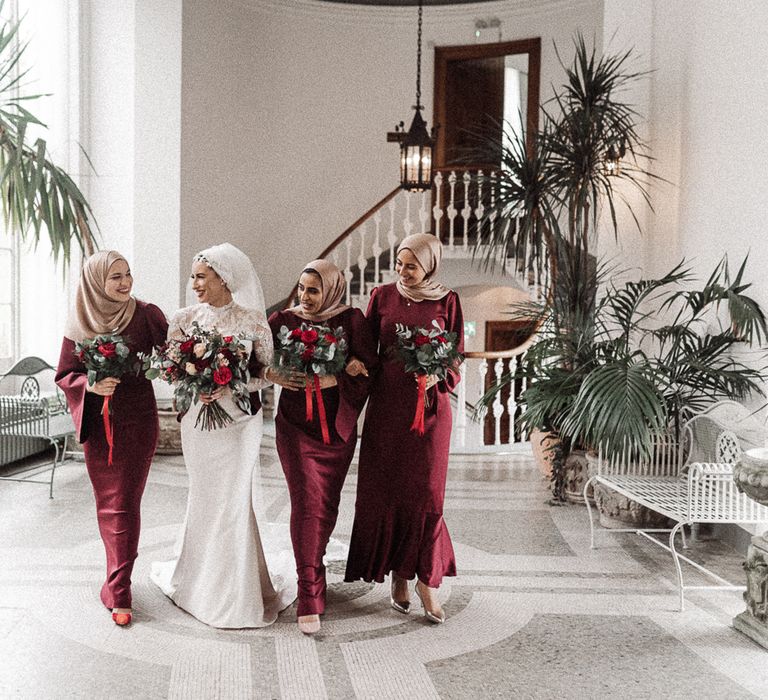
(418, 58)
(416, 144)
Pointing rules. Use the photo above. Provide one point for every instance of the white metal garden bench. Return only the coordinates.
(690, 481)
(32, 416)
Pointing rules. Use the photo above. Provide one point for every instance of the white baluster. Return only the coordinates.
(512, 400)
(437, 212)
(362, 261)
(498, 407)
(480, 208)
(494, 213)
(391, 237)
(461, 407)
(376, 249)
(482, 370)
(336, 259)
(407, 223)
(451, 209)
(466, 212)
(523, 386)
(348, 270)
(423, 215)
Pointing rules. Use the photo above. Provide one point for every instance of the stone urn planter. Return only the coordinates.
(169, 440)
(576, 475)
(750, 473)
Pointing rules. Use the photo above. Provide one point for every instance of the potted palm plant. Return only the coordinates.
(600, 373)
(39, 197)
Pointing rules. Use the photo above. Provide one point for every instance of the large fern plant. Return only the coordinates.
(38, 197)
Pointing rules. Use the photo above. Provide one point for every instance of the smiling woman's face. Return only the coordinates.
(310, 292)
(409, 268)
(119, 281)
(208, 286)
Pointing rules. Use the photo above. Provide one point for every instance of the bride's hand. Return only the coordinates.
(214, 396)
(293, 381)
(355, 367)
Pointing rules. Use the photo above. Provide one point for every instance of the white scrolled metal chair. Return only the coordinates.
(690, 481)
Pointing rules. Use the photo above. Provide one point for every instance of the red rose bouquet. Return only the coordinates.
(199, 363)
(314, 350)
(426, 351)
(105, 356)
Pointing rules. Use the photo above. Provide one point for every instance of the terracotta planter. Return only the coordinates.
(541, 443)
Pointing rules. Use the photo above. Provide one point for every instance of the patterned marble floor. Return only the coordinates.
(534, 612)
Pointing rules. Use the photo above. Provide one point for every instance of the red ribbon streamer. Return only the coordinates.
(108, 427)
(321, 411)
(308, 402)
(309, 410)
(418, 419)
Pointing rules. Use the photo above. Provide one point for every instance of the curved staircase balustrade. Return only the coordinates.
(460, 210)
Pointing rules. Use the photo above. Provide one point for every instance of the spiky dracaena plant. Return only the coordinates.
(38, 196)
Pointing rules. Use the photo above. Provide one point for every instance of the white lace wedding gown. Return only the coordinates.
(221, 575)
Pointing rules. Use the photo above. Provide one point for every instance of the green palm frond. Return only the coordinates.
(38, 197)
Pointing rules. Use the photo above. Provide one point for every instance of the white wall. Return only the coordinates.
(285, 106)
(711, 60)
(131, 97)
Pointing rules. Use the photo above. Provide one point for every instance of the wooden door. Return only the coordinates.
(503, 335)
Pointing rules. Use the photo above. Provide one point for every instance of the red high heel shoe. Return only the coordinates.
(121, 619)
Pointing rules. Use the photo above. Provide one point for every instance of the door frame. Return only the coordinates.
(445, 54)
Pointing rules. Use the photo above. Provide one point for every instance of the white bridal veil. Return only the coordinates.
(237, 271)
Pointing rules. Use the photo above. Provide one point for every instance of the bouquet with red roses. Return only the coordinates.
(426, 351)
(105, 356)
(199, 363)
(317, 351)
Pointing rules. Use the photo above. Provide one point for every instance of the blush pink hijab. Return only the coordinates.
(428, 250)
(334, 289)
(95, 313)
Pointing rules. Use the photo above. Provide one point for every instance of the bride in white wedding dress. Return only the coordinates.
(221, 575)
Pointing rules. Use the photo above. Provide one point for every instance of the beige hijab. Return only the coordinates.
(428, 250)
(95, 313)
(334, 288)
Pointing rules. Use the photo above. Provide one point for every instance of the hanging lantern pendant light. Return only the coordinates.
(417, 144)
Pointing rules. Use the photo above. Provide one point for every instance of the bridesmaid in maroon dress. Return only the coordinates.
(399, 525)
(315, 471)
(104, 305)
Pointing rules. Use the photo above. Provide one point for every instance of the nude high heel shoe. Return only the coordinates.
(437, 617)
(309, 624)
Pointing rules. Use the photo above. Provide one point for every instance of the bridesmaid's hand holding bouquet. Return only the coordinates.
(318, 352)
(200, 364)
(106, 357)
(426, 352)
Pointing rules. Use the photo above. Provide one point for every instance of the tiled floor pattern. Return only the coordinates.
(534, 612)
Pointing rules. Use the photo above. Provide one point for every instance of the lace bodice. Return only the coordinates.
(248, 325)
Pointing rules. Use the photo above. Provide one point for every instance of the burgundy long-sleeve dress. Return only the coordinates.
(315, 472)
(117, 488)
(401, 478)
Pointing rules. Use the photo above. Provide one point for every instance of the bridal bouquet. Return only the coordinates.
(199, 363)
(105, 356)
(314, 350)
(426, 351)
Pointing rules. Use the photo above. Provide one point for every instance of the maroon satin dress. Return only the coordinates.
(315, 472)
(117, 488)
(401, 478)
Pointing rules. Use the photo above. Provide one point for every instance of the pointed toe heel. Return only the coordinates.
(437, 618)
(309, 624)
(402, 606)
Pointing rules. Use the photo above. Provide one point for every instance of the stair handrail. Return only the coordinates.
(348, 232)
